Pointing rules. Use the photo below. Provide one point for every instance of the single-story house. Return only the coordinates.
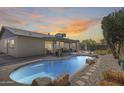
(22, 43)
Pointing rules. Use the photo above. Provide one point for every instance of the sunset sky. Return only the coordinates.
(77, 23)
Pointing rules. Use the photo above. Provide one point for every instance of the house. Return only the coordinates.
(22, 43)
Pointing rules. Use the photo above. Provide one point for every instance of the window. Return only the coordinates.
(11, 43)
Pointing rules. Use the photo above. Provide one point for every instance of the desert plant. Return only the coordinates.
(108, 83)
(112, 77)
(61, 80)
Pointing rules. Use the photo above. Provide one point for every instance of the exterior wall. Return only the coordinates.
(29, 46)
(8, 50)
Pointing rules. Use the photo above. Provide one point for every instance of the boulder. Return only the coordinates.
(90, 61)
(44, 81)
(61, 80)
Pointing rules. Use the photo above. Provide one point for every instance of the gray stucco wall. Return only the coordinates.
(28, 46)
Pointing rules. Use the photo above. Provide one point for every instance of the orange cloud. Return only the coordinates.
(71, 27)
(75, 27)
(35, 15)
(41, 27)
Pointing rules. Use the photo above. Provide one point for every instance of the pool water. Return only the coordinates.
(48, 68)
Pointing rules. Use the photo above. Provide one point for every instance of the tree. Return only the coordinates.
(113, 31)
(89, 43)
(103, 41)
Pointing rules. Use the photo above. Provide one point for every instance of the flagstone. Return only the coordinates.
(80, 83)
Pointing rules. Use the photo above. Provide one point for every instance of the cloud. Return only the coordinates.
(57, 10)
(76, 27)
(71, 27)
(34, 16)
(41, 27)
(8, 18)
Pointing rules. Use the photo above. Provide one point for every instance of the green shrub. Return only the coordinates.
(121, 58)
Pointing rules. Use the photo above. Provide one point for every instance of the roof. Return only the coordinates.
(21, 32)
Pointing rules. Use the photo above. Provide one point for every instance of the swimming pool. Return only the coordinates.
(48, 68)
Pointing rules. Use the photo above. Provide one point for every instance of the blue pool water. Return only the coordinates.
(49, 68)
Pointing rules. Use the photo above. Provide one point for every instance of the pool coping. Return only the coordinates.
(83, 72)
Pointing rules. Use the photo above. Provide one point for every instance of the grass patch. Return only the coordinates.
(102, 52)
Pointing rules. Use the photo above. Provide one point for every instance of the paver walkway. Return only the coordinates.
(93, 75)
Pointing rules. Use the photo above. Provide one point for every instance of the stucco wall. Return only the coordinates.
(28, 46)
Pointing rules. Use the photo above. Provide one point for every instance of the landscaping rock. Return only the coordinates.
(44, 81)
(80, 83)
(90, 61)
(85, 77)
(62, 80)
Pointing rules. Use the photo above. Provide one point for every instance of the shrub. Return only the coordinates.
(121, 58)
(61, 80)
(108, 83)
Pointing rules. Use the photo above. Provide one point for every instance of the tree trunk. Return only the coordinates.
(113, 47)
